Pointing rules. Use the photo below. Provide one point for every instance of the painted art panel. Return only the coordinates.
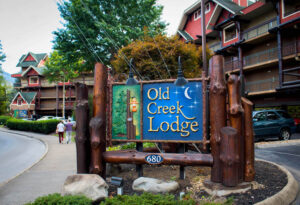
(126, 120)
(171, 112)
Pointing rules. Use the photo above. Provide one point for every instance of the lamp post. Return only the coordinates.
(204, 76)
(180, 81)
(131, 80)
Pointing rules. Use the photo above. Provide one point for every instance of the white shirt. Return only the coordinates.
(60, 127)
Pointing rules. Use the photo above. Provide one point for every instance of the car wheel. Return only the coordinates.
(285, 134)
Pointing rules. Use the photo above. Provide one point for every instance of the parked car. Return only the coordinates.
(46, 118)
(297, 122)
(271, 123)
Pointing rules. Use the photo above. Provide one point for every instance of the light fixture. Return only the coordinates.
(131, 80)
(180, 81)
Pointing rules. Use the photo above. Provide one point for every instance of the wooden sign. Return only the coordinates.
(157, 111)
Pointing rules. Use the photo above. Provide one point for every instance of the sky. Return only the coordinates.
(27, 25)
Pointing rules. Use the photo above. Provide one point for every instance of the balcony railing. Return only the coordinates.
(215, 47)
(259, 29)
(262, 85)
(17, 85)
(260, 57)
(231, 65)
(291, 48)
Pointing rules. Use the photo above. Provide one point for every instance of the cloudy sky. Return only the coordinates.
(27, 25)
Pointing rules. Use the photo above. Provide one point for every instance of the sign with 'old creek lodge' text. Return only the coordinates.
(157, 111)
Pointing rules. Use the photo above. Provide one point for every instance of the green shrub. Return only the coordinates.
(43, 126)
(3, 119)
(147, 199)
(57, 199)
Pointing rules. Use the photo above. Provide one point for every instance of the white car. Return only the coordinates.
(46, 118)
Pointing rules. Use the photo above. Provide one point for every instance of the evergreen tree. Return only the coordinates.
(120, 117)
(96, 29)
(3, 88)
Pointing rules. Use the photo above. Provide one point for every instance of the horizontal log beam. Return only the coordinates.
(134, 157)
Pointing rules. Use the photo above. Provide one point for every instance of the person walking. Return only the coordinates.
(60, 130)
(69, 127)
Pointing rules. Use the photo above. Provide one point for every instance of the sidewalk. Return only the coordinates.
(45, 177)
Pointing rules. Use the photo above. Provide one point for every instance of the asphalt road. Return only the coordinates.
(17, 153)
(287, 156)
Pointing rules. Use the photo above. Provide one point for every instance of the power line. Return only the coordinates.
(78, 28)
(116, 45)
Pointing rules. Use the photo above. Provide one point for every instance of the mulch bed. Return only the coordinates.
(268, 181)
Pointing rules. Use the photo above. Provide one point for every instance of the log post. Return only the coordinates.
(229, 156)
(217, 106)
(82, 131)
(235, 118)
(249, 140)
(98, 122)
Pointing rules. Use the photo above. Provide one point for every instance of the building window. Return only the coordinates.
(33, 80)
(249, 2)
(229, 33)
(290, 7)
(197, 13)
(19, 101)
(207, 8)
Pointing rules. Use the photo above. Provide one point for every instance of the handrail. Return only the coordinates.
(262, 85)
(259, 29)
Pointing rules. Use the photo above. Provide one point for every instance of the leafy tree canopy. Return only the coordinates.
(95, 29)
(157, 58)
(2, 59)
(59, 69)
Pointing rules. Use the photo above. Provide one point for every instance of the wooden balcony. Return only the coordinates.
(259, 30)
(264, 58)
(261, 86)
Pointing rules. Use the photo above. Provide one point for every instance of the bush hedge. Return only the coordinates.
(147, 199)
(57, 199)
(43, 126)
(3, 119)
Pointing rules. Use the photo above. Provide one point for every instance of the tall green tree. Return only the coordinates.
(2, 59)
(59, 69)
(96, 29)
(3, 88)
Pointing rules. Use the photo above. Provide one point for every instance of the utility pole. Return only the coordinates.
(63, 108)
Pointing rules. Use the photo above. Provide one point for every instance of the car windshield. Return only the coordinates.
(284, 114)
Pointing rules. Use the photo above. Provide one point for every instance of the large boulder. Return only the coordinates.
(90, 185)
(154, 185)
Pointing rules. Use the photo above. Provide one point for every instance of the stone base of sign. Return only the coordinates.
(217, 189)
(154, 185)
(89, 185)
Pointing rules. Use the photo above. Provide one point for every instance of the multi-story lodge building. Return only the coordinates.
(36, 95)
(260, 41)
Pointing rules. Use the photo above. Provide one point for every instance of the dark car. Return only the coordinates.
(271, 123)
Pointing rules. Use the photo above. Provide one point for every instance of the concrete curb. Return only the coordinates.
(37, 161)
(276, 143)
(288, 194)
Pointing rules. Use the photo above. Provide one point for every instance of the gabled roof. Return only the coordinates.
(37, 59)
(27, 96)
(225, 4)
(185, 35)
(39, 70)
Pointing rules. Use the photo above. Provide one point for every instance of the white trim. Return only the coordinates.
(31, 77)
(224, 36)
(26, 71)
(27, 56)
(17, 96)
(225, 7)
(198, 16)
(282, 11)
(212, 15)
(208, 8)
(183, 35)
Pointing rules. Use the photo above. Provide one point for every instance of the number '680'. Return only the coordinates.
(154, 159)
